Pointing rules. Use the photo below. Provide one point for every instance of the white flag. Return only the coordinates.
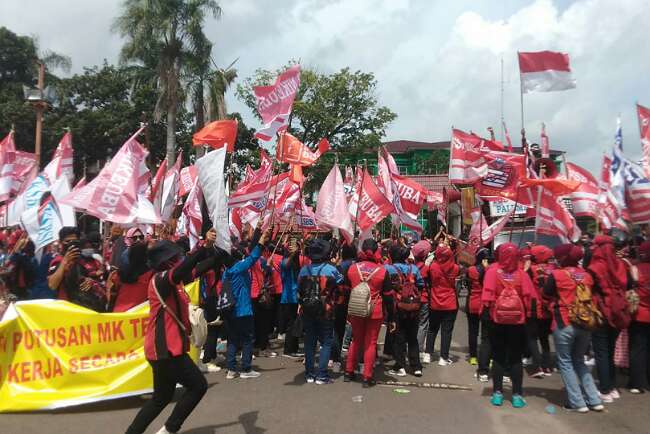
(212, 182)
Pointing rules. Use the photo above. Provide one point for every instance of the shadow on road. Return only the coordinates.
(248, 421)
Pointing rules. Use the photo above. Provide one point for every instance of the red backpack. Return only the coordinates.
(509, 307)
(409, 297)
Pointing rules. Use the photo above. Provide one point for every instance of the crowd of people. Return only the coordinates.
(349, 303)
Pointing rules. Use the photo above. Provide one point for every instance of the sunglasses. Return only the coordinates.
(137, 237)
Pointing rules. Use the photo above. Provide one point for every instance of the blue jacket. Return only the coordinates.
(323, 269)
(289, 283)
(405, 269)
(240, 279)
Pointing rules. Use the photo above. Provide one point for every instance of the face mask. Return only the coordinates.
(87, 253)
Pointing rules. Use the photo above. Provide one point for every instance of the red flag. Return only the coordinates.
(274, 103)
(155, 190)
(503, 174)
(293, 151)
(585, 198)
(556, 186)
(236, 225)
(481, 233)
(217, 134)
(61, 163)
(373, 205)
(24, 165)
(170, 189)
(468, 162)
(7, 158)
(192, 215)
(554, 219)
(644, 129)
(545, 71)
(188, 177)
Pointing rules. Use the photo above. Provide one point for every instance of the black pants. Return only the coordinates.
(288, 315)
(340, 320)
(604, 343)
(442, 320)
(508, 343)
(538, 330)
(639, 333)
(407, 335)
(485, 350)
(473, 325)
(263, 316)
(166, 374)
(210, 346)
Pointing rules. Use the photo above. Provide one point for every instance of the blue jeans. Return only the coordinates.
(321, 330)
(241, 332)
(571, 345)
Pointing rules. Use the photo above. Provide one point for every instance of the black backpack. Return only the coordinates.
(311, 299)
(226, 299)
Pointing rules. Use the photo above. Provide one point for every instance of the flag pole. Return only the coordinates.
(521, 95)
(363, 178)
(512, 224)
(502, 99)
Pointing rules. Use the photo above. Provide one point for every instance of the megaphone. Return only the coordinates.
(550, 170)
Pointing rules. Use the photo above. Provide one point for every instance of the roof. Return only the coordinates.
(402, 146)
(433, 183)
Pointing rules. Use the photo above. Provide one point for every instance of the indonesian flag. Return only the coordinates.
(187, 180)
(585, 198)
(7, 158)
(24, 170)
(170, 189)
(468, 162)
(217, 134)
(332, 206)
(644, 128)
(545, 71)
(554, 219)
(373, 205)
(117, 194)
(61, 163)
(293, 151)
(274, 103)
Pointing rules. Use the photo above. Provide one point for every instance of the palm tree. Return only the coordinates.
(220, 80)
(165, 35)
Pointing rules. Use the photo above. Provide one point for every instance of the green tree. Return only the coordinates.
(165, 35)
(343, 107)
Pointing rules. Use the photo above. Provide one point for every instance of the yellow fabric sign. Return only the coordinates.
(56, 354)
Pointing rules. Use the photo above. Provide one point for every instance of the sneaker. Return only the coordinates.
(417, 372)
(507, 379)
(231, 375)
(636, 391)
(443, 362)
(599, 407)
(348, 376)
(208, 367)
(163, 430)
(615, 394)
(482, 378)
(527, 361)
(426, 358)
(281, 336)
(473, 361)
(293, 356)
(607, 398)
(268, 353)
(336, 367)
(249, 374)
(401, 372)
(537, 374)
(548, 372)
(497, 399)
(518, 401)
(323, 381)
(310, 380)
(567, 407)
(590, 361)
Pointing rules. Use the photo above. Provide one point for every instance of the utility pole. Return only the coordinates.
(40, 105)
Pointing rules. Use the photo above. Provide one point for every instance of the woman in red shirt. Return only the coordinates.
(538, 321)
(478, 356)
(507, 290)
(640, 327)
(443, 304)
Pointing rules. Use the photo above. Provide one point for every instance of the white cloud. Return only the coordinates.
(437, 63)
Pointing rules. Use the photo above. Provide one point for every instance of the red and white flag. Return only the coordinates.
(373, 204)
(505, 130)
(154, 192)
(545, 71)
(554, 219)
(505, 170)
(24, 170)
(274, 103)
(187, 180)
(80, 184)
(61, 163)
(192, 216)
(332, 206)
(585, 198)
(644, 129)
(481, 233)
(293, 151)
(117, 194)
(468, 162)
(348, 182)
(546, 146)
(7, 158)
(170, 189)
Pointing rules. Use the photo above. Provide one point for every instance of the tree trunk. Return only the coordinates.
(171, 134)
(199, 113)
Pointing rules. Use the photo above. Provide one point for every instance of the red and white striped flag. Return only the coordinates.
(585, 198)
(332, 206)
(24, 170)
(545, 71)
(61, 163)
(644, 129)
(554, 219)
(170, 189)
(7, 158)
(274, 103)
(468, 162)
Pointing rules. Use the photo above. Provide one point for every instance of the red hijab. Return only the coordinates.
(508, 257)
(541, 254)
(605, 264)
(445, 259)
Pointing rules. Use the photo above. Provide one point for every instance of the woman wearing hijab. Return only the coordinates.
(571, 341)
(475, 321)
(166, 341)
(611, 280)
(420, 252)
(131, 282)
(640, 327)
(507, 291)
(538, 321)
(443, 304)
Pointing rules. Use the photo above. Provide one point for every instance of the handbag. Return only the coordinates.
(199, 332)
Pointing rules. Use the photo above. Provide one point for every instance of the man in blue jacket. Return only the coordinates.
(318, 284)
(240, 325)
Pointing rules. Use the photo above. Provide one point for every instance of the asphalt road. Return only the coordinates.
(281, 402)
